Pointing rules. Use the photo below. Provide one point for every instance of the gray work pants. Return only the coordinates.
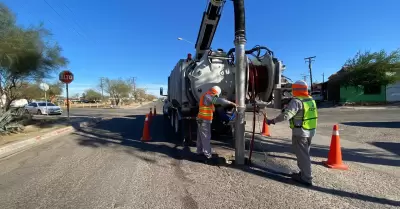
(301, 147)
(204, 138)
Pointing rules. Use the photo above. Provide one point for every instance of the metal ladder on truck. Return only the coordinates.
(208, 26)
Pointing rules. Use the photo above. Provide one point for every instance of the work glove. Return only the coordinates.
(269, 122)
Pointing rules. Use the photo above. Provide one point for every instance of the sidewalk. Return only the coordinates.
(373, 172)
(105, 106)
(370, 107)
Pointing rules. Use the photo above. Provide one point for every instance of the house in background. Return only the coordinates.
(338, 93)
(393, 90)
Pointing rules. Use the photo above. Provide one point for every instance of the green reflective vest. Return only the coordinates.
(309, 118)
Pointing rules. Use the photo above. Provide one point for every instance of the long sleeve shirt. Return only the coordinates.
(208, 99)
(294, 107)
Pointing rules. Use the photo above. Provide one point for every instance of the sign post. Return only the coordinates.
(66, 77)
(45, 88)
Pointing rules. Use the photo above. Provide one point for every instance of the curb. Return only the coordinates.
(370, 108)
(23, 145)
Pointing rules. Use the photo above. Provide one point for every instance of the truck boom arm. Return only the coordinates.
(209, 24)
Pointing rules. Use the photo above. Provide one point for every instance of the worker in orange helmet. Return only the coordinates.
(205, 117)
(302, 115)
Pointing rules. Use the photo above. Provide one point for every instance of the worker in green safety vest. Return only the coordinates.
(302, 115)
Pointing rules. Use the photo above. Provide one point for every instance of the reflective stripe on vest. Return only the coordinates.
(309, 118)
(206, 112)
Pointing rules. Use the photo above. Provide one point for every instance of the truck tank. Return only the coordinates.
(190, 79)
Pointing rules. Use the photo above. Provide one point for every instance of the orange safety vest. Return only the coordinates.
(206, 112)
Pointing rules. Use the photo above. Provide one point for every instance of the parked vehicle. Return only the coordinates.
(19, 103)
(317, 96)
(40, 108)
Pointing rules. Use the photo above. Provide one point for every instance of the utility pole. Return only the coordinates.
(322, 86)
(310, 60)
(102, 88)
(133, 80)
(304, 77)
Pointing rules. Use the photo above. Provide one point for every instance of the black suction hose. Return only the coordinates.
(240, 26)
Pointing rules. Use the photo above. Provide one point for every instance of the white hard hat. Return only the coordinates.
(301, 82)
(217, 90)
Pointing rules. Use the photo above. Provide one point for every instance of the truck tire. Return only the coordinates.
(171, 119)
(168, 132)
(178, 129)
(165, 115)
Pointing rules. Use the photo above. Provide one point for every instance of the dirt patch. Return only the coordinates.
(33, 128)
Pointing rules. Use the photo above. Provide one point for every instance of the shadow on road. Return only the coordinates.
(393, 147)
(45, 121)
(127, 132)
(355, 155)
(394, 124)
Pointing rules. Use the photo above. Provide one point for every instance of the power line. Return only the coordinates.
(70, 10)
(62, 18)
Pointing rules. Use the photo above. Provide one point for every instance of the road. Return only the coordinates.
(99, 112)
(106, 166)
(367, 126)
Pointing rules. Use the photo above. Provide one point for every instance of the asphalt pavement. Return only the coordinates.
(107, 166)
(100, 112)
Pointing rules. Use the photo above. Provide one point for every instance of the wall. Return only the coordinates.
(351, 94)
(393, 92)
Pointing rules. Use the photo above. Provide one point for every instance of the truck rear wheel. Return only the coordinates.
(171, 119)
(177, 124)
(178, 129)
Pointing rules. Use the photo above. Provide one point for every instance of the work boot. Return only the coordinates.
(297, 177)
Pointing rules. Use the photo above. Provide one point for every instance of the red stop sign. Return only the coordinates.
(66, 76)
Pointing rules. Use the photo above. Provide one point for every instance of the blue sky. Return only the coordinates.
(128, 38)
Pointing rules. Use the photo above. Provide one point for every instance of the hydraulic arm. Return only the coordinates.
(209, 24)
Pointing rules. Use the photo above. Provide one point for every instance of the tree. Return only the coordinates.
(26, 55)
(150, 97)
(92, 95)
(140, 94)
(117, 89)
(55, 89)
(370, 70)
(30, 91)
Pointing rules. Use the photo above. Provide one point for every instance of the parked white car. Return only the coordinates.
(41, 108)
(317, 96)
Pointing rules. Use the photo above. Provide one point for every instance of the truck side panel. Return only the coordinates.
(177, 84)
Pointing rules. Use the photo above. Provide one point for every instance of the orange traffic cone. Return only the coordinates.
(265, 129)
(155, 111)
(335, 152)
(146, 130)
